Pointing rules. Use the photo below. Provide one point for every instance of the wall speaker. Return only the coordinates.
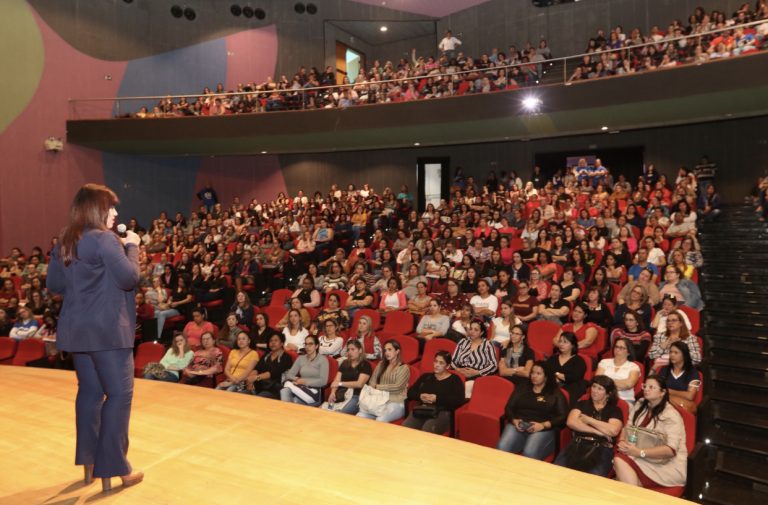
(299, 8)
(177, 11)
(311, 8)
(236, 10)
(190, 13)
(259, 13)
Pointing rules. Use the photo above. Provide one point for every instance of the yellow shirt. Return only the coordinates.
(238, 363)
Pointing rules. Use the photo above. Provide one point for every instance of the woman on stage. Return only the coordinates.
(96, 272)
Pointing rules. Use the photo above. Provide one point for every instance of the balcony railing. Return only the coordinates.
(551, 72)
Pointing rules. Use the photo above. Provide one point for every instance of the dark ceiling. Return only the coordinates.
(370, 31)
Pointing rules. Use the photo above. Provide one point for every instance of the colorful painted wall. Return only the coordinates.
(36, 186)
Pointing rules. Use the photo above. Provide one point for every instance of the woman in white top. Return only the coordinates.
(294, 332)
(331, 343)
(484, 303)
(622, 369)
(502, 325)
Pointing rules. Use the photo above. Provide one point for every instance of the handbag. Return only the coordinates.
(373, 401)
(643, 438)
(339, 404)
(583, 453)
(155, 369)
(425, 411)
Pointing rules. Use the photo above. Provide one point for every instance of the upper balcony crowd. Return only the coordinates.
(706, 36)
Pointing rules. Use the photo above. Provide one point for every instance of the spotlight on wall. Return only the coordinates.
(299, 8)
(190, 13)
(259, 13)
(248, 11)
(311, 8)
(236, 10)
(531, 103)
(177, 11)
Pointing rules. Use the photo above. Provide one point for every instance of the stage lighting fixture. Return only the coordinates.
(177, 11)
(248, 11)
(236, 10)
(311, 8)
(299, 8)
(531, 103)
(259, 13)
(190, 13)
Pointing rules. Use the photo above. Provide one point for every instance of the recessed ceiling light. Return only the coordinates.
(263, 152)
(604, 128)
(383, 28)
(417, 143)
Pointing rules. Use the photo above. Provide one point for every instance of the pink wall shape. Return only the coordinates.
(434, 8)
(38, 186)
(251, 56)
(247, 177)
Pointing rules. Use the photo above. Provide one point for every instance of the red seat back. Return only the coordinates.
(540, 335)
(431, 348)
(280, 297)
(490, 395)
(30, 349)
(693, 316)
(397, 322)
(409, 347)
(7, 349)
(147, 352)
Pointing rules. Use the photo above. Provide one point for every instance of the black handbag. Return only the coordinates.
(424, 411)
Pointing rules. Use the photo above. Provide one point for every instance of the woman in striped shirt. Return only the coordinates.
(474, 356)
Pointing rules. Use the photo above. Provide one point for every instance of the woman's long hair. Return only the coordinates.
(385, 362)
(89, 210)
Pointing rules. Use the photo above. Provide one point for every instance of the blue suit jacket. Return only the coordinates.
(99, 311)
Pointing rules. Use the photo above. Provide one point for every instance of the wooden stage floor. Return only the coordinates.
(204, 446)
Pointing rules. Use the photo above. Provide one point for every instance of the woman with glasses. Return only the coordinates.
(633, 330)
(622, 369)
(637, 302)
(308, 374)
(665, 463)
(516, 362)
(676, 331)
(685, 290)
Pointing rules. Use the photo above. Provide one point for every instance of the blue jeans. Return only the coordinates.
(537, 445)
(351, 407)
(161, 316)
(392, 412)
(168, 377)
(102, 423)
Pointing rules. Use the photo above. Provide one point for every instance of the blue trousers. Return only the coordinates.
(102, 423)
(532, 445)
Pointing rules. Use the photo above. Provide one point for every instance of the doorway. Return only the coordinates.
(349, 61)
(433, 181)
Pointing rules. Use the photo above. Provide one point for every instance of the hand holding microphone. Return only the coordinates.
(127, 236)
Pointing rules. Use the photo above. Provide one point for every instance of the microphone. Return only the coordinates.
(121, 229)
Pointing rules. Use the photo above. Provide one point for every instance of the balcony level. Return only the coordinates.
(719, 90)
